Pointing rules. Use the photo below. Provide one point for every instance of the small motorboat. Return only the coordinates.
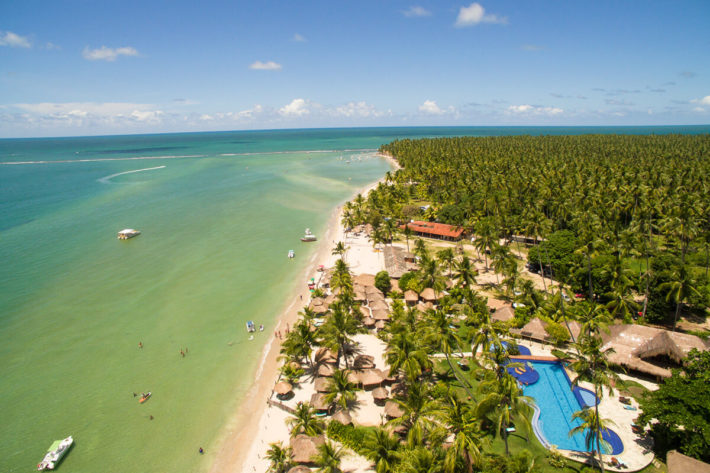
(308, 236)
(55, 454)
(250, 326)
(145, 397)
(291, 254)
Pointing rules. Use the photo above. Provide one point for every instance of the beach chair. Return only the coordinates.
(629, 408)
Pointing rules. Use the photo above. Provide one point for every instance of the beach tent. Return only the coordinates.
(304, 448)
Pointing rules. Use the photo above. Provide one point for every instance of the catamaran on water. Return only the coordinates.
(308, 236)
(55, 453)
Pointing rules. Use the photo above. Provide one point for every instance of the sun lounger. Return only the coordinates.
(630, 408)
(510, 430)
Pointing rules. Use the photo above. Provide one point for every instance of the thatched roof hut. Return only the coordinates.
(359, 296)
(321, 384)
(679, 463)
(375, 297)
(364, 362)
(329, 299)
(495, 304)
(365, 311)
(575, 328)
(319, 309)
(325, 355)
(318, 402)
(364, 279)
(503, 314)
(424, 306)
(380, 394)
(300, 469)
(661, 344)
(380, 324)
(371, 290)
(394, 284)
(283, 388)
(392, 410)
(304, 448)
(381, 314)
(369, 378)
(343, 417)
(326, 370)
(429, 295)
(368, 322)
(535, 330)
(411, 297)
(379, 305)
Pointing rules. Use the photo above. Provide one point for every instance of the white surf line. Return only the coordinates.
(104, 180)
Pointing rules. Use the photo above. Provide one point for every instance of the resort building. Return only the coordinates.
(439, 231)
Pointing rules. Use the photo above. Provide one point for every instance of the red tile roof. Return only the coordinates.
(432, 228)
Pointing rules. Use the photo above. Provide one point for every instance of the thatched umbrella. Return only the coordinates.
(380, 314)
(304, 448)
(319, 309)
(318, 402)
(392, 410)
(316, 301)
(368, 322)
(380, 395)
(325, 355)
(411, 297)
(428, 295)
(300, 469)
(379, 305)
(343, 417)
(370, 378)
(283, 388)
(322, 385)
(326, 370)
(364, 362)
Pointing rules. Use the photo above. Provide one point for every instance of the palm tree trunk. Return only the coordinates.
(453, 370)
(599, 430)
(505, 439)
(542, 272)
(677, 313)
(589, 269)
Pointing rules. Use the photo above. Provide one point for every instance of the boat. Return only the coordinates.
(250, 326)
(145, 397)
(128, 233)
(308, 236)
(291, 254)
(54, 455)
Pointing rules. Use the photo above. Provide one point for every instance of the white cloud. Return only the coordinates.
(251, 113)
(265, 66)
(357, 109)
(14, 40)
(430, 107)
(51, 46)
(297, 108)
(475, 14)
(299, 38)
(80, 114)
(705, 100)
(534, 110)
(699, 109)
(416, 11)
(107, 54)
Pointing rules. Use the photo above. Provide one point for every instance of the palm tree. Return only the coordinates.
(279, 458)
(340, 249)
(486, 238)
(465, 274)
(407, 233)
(338, 329)
(304, 421)
(420, 248)
(340, 390)
(390, 228)
(405, 354)
(299, 342)
(592, 426)
(430, 274)
(328, 458)
(505, 403)
(447, 257)
(382, 448)
(460, 420)
(423, 459)
(678, 289)
(420, 410)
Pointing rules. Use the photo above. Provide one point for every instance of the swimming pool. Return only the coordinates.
(556, 403)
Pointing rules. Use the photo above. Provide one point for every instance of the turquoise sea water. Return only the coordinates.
(218, 212)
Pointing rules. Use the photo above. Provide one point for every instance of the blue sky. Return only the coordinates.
(93, 67)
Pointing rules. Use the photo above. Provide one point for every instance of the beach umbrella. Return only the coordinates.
(318, 402)
(283, 388)
(380, 394)
(343, 417)
(392, 410)
(326, 370)
(322, 385)
(304, 448)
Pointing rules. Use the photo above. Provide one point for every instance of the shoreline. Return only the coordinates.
(240, 436)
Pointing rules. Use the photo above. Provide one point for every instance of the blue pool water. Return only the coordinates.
(557, 402)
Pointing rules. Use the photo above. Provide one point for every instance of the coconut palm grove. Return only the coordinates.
(592, 231)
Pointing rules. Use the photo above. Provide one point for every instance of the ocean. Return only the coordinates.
(218, 213)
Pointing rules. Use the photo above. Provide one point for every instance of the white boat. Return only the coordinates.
(55, 453)
(308, 236)
(128, 233)
(250, 326)
(291, 254)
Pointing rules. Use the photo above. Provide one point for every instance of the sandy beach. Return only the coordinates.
(255, 424)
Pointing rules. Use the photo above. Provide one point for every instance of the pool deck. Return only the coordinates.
(637, 452)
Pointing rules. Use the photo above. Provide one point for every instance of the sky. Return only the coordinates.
(72, 68)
